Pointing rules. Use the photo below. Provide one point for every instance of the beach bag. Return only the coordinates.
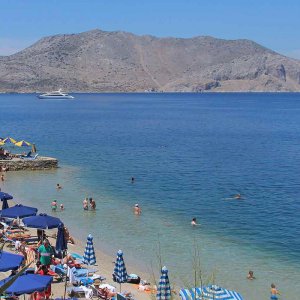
(133, 278)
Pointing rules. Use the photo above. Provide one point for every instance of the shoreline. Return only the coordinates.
(104, 266)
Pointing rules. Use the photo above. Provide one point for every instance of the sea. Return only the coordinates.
(189, 154)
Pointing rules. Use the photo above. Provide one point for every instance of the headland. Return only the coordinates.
(20, 164)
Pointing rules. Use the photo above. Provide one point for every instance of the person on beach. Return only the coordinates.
(85, 204)
(61, 207)
(45, 253)
(68, 237)
(54, 205)
(58, 187)
(92, 204)
(274, 292)
(41, 235)
(250, 275)
(137, 210)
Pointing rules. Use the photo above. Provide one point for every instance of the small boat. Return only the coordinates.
(56, 95)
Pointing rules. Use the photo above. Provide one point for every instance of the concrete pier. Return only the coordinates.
(40, 163)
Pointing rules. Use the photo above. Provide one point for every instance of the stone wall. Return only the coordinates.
(40, 163)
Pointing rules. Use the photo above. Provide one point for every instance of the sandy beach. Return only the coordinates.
(104, 267)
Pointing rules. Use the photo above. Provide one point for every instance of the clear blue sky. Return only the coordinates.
(272, 23)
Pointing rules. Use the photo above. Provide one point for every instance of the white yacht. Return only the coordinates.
(56, 95)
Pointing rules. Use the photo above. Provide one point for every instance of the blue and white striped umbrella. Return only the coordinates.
(89, 257)
(209, 292)
(164, 290)
(120, 273)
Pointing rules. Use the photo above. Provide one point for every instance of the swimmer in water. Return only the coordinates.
(137, 210)
(194, 222)
(62, 207)
(237, 196)
(250, 275)
(132, 179)
(58, 187)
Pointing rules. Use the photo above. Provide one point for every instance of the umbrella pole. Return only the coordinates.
(65, 287)
(120, 287)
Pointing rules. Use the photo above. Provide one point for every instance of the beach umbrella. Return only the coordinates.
(42, 221)
(22, 144)
(9, 140)
(10, 261)
(61, 242)
(2, 143)
(18, 211)
(5, 196)
(209, 292)
(163, 290)
(27, 284)
(120, 274)
(89, 257)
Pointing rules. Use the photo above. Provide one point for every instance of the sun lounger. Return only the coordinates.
(77, 257)
(29, 157)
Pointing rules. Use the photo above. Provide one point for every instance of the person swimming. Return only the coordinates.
(250, 275)
(194, 222)
(237, 196)
(62, 207)
(58, 187)
(132, 179)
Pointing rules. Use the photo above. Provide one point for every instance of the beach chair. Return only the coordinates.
(99, 293)
(30, 157)
(27, 155)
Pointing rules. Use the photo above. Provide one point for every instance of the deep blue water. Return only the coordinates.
(189, 153)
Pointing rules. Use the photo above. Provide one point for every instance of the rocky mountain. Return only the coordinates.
(97, 61)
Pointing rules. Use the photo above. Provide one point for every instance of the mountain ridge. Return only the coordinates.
(118, 61)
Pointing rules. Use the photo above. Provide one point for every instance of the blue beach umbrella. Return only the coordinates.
(5, 196)
(208, 293)
(42, 221)
(163, 290)
(27, 284)
(18, 211)
(61, 242)
(10, 261)
(4, 204)
(120, 274)
(89, 257)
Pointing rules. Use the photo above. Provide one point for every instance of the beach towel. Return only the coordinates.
(30, 255)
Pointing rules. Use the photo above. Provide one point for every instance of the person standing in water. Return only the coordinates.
(85, 204)
(54, 205)
(2, 177)
(92, 204)
(137, 210)
(274, 292)
(132, 179)
(58, 187)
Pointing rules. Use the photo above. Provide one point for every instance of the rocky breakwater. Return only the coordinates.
(20, 164)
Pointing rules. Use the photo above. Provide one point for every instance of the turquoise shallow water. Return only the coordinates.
(189, 153)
